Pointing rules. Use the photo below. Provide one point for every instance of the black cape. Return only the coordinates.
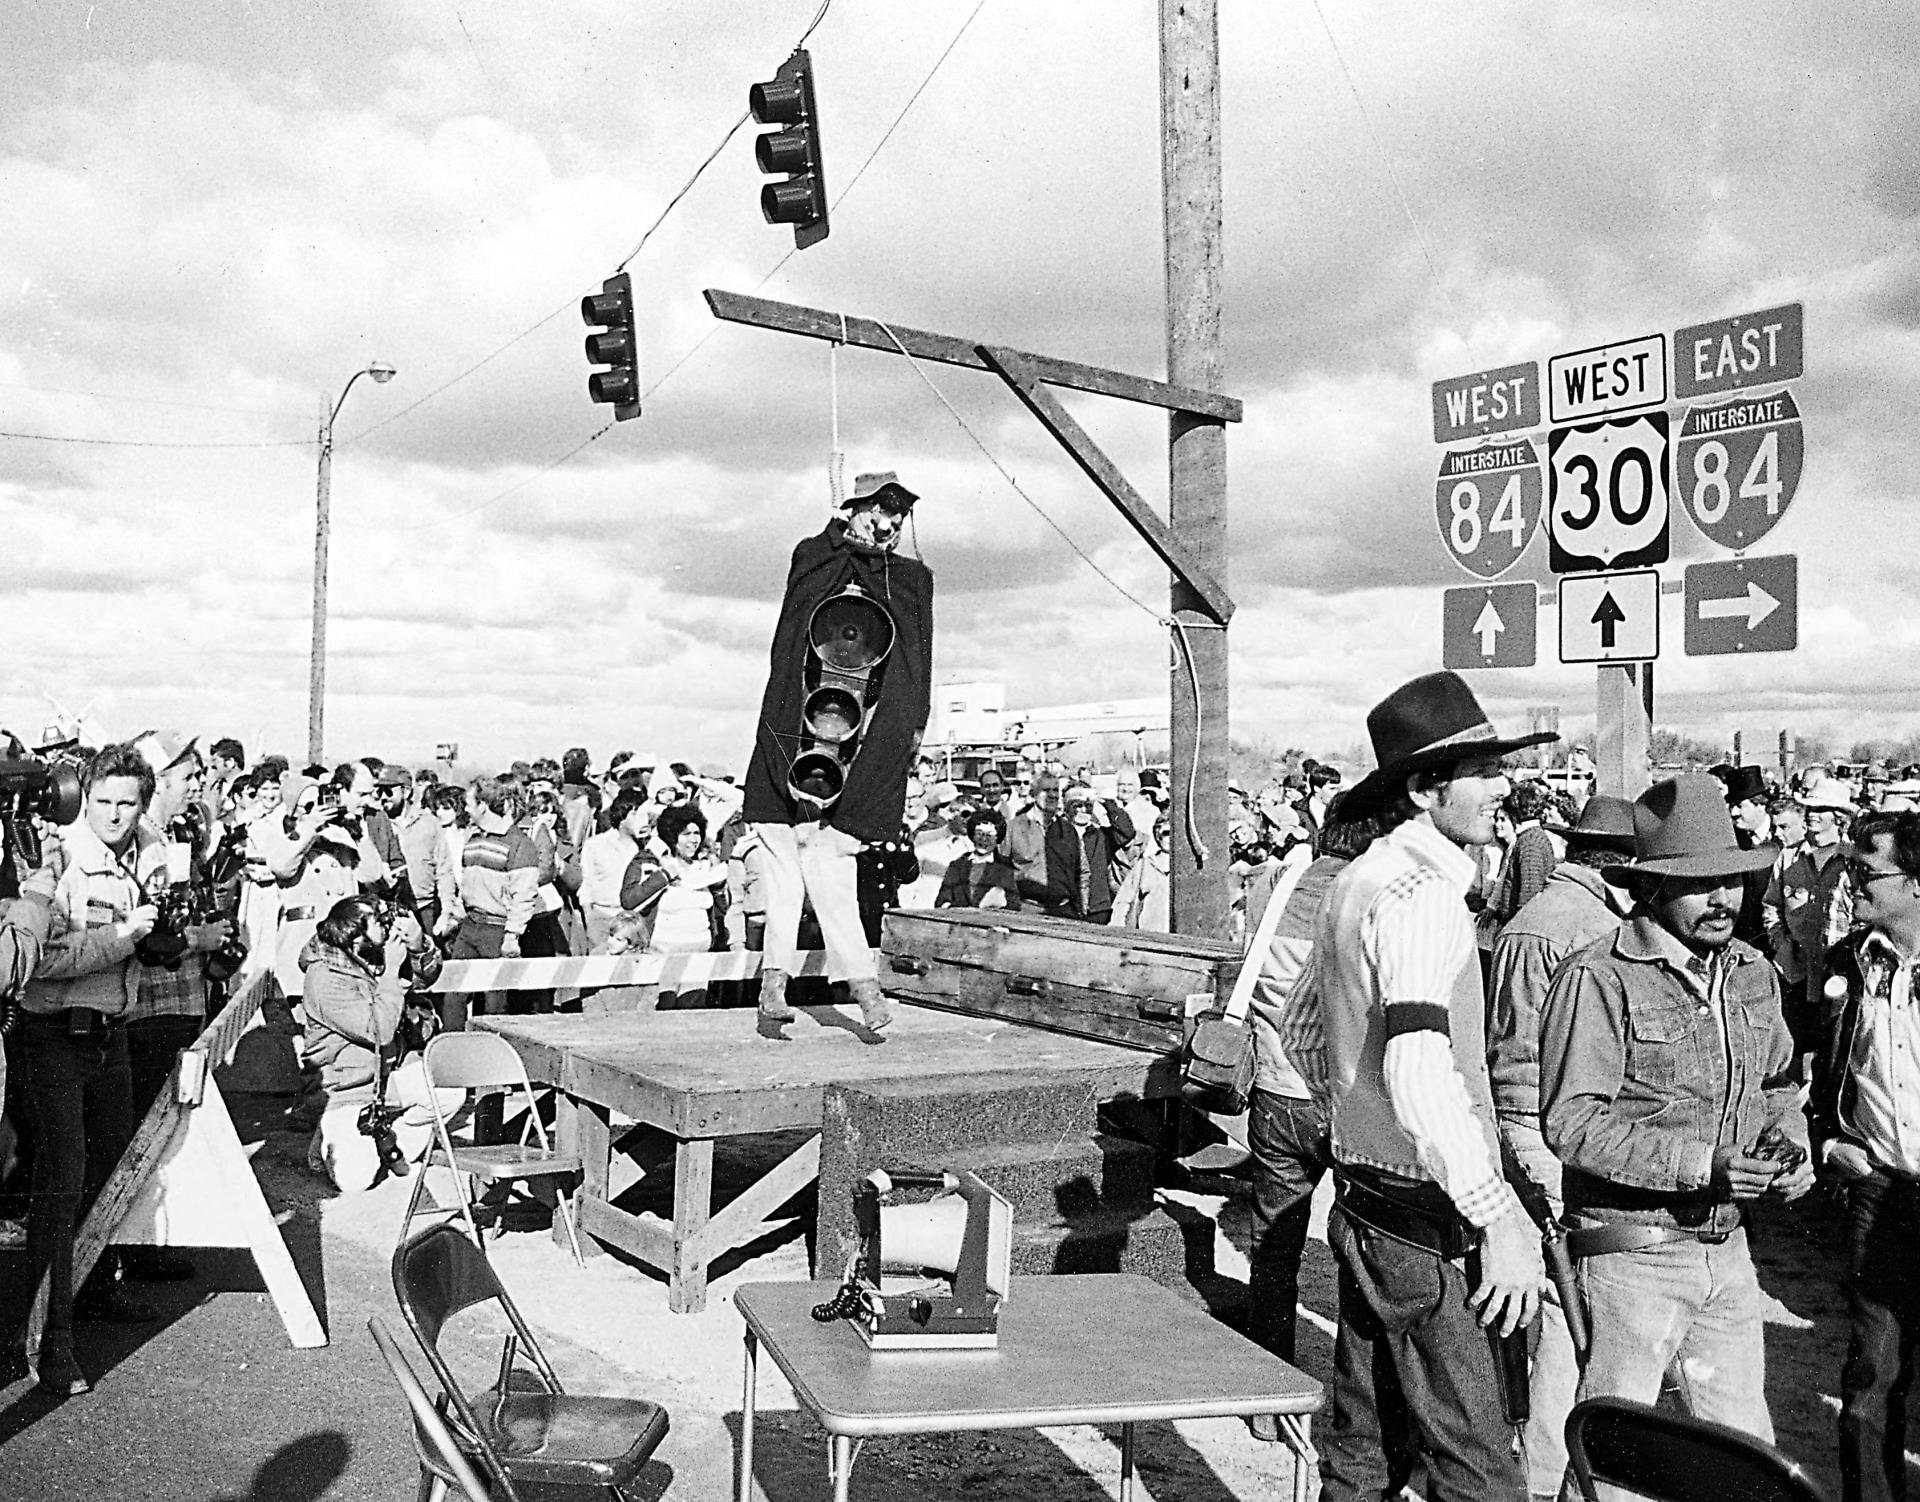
(871, 805)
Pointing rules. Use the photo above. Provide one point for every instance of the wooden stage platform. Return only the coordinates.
(700, 1076)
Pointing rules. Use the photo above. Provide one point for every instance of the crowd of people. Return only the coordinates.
(1530, 1030)
(1658, 1015)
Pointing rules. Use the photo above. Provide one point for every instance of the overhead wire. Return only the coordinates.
(156, 443)
(701, 343)
(687, 187)
(147, 401)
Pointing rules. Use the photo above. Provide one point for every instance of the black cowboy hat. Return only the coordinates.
(1606, 823)
(1682, 828)
(1743, 784)
(1434, 721)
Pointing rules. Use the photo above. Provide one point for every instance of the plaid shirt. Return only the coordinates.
(172, 993)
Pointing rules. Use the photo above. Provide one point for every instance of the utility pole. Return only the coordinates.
(1191, 210)
(322, 542)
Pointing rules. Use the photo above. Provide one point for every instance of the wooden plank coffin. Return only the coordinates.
(1119, 985)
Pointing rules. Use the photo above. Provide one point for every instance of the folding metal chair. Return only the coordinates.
(526, 1427)
(1673, 1457)
(442, 1462)
(479, 1061)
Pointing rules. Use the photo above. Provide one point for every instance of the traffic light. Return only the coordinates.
(786, 100)
(616, 346)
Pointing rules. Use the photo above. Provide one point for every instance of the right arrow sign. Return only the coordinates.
(1743, 605)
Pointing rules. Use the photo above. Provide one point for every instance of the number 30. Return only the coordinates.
(1588, 487)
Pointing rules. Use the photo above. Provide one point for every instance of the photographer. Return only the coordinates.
(71, 1049)
(358, 966)
(312, 861)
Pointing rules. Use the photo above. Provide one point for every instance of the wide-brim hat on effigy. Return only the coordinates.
(1683, 828)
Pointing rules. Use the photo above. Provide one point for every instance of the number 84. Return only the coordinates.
(1464, 530)
(1711, 493)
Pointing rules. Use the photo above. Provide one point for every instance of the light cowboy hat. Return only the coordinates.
(1434, 721)
(1605, 823)
(1826, 792)
(1683, 828)
(882, 486)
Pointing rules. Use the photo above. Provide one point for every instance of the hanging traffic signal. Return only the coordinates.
(786, 100)
(616, 346)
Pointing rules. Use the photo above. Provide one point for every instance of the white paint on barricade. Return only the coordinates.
(667, 971)
(185, 1180)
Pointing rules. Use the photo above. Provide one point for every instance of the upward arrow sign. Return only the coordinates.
(1608, 616)
(1488, 626)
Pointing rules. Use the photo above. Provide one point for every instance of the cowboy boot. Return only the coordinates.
(875, 1010)
(773, 997)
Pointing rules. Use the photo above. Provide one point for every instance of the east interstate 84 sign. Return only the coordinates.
(1607, 505)
(1487, 502)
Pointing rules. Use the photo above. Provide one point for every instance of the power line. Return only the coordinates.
(142, 443)
(732, 130)
(520, 484)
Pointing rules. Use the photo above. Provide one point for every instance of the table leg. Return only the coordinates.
(692, 1206)
(840, 1465)
(1306, 1459)
(1126, 1463)
(748, 1393)
(584, 1128)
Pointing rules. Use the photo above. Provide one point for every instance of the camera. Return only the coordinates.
(1776, 1147)
(36, 789)
(376, 1120)
(182, 905)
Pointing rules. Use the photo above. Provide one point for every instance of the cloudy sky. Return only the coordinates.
(217, 210)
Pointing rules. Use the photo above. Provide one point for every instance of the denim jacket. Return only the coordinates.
(1640, 1083)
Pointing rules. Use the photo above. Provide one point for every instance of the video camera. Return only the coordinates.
(191, 897)
(32, 790)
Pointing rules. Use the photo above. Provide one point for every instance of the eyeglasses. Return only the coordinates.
(1865, 876)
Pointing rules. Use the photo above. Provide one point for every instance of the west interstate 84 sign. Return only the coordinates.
(1607, 486)
(1487, 502)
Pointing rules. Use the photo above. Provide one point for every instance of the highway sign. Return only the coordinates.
(1607, 494)
(1743, 605)
(1733, 354)
(1610, 617)
(1737, 466)
(1489, 626)
(1606, 379)
(1487, 502)
(1506, 400)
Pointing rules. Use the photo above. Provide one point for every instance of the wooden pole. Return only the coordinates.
(1197, 456)
(1624, 727)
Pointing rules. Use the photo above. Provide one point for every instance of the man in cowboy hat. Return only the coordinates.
(1575, 907)
(1665, 1089)
(1389, 1026)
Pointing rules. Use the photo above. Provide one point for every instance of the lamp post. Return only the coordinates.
(322, 530)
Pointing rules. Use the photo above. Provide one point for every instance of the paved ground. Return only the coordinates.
(215, 1406)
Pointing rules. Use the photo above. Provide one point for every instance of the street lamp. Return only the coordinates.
(317, 667)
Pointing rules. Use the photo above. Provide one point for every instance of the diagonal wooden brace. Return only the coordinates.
(1025, 376)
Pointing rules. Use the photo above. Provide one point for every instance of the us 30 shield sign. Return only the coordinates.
(1607, 494)
(1487, 502)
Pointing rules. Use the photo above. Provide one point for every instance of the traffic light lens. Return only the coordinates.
(779, 101)
(614, 347)
(603, 308)
(782, 151)
(617, 386)
(795, 201)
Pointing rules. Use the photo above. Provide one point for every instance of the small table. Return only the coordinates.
(703, 1075)
(1088, 1348)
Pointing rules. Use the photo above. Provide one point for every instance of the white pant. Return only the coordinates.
(817, 861)
(348, 1156)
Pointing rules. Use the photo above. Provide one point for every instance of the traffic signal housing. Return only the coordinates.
(616, 346)
(786, 100)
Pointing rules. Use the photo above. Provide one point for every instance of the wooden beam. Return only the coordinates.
(945, 349)
(1022, 374)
